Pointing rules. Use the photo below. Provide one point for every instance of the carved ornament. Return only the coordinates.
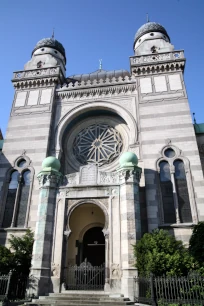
(97, 92)
(160, 68)
(55, 269)
(49, 180)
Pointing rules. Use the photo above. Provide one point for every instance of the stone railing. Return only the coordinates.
(157, 57)
(35, 73)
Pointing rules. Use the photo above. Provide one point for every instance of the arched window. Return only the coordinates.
(176, 207)
(18, 195)
(167, 193)
(182, 192)
(10, 200)
(23, 199)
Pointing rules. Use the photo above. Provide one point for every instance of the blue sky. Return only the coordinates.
(92, 29)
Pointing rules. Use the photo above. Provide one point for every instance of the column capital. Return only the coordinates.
(130, 174)
(50, 178)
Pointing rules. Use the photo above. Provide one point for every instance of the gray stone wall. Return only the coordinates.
(165, 119)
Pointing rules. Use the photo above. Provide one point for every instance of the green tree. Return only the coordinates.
(161, 254)
(22, 251)
(6, 260)
(196, 243)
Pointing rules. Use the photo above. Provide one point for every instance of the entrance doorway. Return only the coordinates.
(86, 249)
(94, 246)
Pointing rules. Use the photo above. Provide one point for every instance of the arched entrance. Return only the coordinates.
(94, 246)
(86, 248)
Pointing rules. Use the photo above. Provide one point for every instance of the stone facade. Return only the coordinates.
(88, 122)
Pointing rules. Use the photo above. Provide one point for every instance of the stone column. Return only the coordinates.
(129, 175)
(49, 179)
(107, 268)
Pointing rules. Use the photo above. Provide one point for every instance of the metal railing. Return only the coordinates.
(166, 290)
(85, 277)
(16, 287)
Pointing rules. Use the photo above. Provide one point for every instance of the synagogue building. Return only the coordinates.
(91, 162)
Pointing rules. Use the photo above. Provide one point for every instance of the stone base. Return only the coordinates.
(127, 283)
(39, 281)
(55, 284)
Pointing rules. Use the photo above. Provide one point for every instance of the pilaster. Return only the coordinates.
(130, 224)
(43, 244)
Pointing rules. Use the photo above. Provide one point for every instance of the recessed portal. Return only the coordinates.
(86, 239)
(86, 249)
(94, 246)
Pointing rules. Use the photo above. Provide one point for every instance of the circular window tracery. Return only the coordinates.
(99, 144)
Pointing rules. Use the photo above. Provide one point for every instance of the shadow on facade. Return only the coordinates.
(5, 166)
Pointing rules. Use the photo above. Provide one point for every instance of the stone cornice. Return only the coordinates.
(96, 91)
(157, 63)
(37, 77)
(159, 68)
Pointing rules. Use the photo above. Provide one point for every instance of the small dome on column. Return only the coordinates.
(128, 159)
(51, 162)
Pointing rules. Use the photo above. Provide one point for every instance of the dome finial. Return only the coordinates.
(194, 118)
(147, 17)
(53, 33)
(100, 64)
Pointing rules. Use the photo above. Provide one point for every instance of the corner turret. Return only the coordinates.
(48, 52)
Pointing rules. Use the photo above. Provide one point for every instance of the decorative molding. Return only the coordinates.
(108, 177)
(115, 271)
(97, 83)
(106, 232)
(37, 78)
(49, 180)
(72, 179)
(130, 175)
(97, 92)
(157, 57)
(160, 68)
(55, 269)
(45, 82)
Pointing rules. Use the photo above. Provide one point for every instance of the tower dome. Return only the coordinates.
(148, 28)
(50, 43)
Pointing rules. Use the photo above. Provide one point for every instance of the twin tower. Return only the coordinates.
(120, 158)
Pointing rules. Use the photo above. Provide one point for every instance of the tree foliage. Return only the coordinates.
(18, 257)
(6, 260)
(196, 243)
(22, 251)
(161, 254)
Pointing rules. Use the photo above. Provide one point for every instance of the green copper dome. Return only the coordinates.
(128, 159)
(51, 163)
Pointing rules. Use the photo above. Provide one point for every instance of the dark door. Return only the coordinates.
(94, 246)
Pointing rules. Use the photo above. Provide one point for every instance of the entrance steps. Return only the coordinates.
(82, 298)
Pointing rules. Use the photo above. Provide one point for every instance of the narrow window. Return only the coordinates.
(182, 192)
(167, 193)
(23, 199)
(10, 200)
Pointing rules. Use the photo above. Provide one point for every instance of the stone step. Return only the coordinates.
(61, 298)
(81, 298)
(81, 301)
(89, 292)
(80, 304)
(79, 294)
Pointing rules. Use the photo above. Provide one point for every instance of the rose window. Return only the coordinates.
(98, 144)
